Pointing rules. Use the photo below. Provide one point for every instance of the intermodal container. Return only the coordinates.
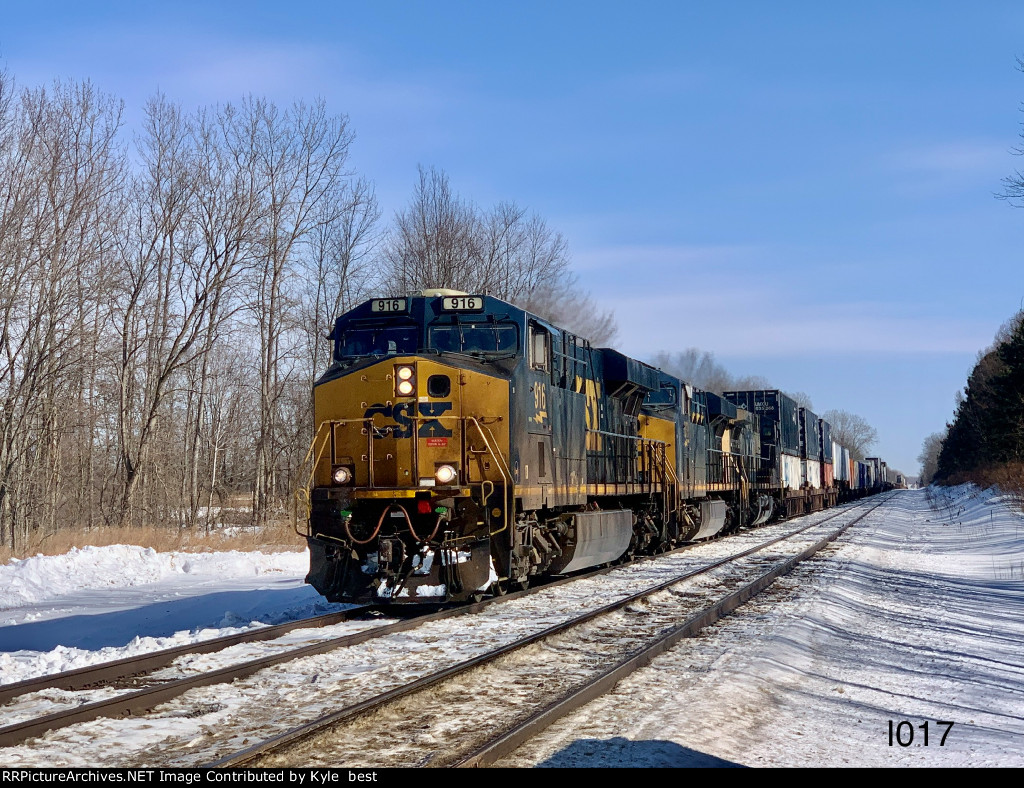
(778, 415)
(825, 431)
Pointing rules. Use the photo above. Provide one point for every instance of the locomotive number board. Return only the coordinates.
(388, 305)
(462, 304)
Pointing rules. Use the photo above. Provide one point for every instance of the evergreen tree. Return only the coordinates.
(988, 427)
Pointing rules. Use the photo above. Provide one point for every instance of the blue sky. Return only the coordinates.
(806, 191)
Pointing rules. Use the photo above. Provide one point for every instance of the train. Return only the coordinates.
(466, 447)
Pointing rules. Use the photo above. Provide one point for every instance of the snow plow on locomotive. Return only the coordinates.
(465, 446)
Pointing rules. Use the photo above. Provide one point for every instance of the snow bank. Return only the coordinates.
(42, 577)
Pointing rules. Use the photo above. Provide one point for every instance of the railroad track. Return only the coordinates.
(348, 735)
(137, 667)
(291, 728)
(139, 686)
(504, 743)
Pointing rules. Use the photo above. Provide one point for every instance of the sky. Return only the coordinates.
(915, 614)
(807, 191)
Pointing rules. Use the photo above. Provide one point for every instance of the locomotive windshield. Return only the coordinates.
(377, 341)
(475, 338)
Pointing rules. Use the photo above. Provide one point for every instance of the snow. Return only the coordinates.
(42, 578)
(915, 615)
(97, 604)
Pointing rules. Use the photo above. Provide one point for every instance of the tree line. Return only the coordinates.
(165, 298)
(985, 440)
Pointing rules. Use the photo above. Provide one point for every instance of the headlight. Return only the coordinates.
(341, 475)
(446, 474)
(405, 380)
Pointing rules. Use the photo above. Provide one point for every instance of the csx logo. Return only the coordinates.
(402, 415)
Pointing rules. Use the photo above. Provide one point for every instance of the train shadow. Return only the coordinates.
(624, 753)
(117, 628)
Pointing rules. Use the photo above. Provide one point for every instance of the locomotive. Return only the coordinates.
(465, 447)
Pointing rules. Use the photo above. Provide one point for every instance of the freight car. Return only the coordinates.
(465, 446)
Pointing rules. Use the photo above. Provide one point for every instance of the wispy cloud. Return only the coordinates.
(738, 323)
(967, 157)
(208, 66)
(652, 257)
(213, 73)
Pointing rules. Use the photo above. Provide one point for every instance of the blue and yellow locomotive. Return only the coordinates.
(465, 446)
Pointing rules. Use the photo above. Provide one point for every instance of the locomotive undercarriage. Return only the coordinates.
(429, 548)
(434, 549)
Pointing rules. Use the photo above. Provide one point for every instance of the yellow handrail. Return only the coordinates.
(302, 494)
(502, 468)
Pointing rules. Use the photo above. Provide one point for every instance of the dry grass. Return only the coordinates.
(1009, 478)
(277, 537)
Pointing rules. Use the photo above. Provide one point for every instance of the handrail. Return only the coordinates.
(668, 471)
(631, 437)
(482, 429)
(502, 467)
(302, 494)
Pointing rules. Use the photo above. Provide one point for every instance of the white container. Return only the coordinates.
(792, 472)
(840, 463)
(812, 473)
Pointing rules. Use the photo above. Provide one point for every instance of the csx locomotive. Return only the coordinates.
(465, 446)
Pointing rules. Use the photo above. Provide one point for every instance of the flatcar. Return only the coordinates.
(466, 447)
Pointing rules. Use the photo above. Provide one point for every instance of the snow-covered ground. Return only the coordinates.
(98, 604)
(915, 616)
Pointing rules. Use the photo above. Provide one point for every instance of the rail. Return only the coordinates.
(478, 746)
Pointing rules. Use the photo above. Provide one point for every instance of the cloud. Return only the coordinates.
(769, 300)
(214, 73)
(662, 257)
(734, 319)
(194, 67)
(951, 158)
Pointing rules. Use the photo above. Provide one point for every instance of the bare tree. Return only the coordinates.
(851, 431)
(699, 368)
(802, 398)
(750, 383)
(569, 306)
(929, 456)
(146, 305)
(441, 240)
(301, 156)
(527, 263)
(59, 166)
(1013, 185)
(435, 242)
(696, 367)
(337, 271)
(194, 216)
